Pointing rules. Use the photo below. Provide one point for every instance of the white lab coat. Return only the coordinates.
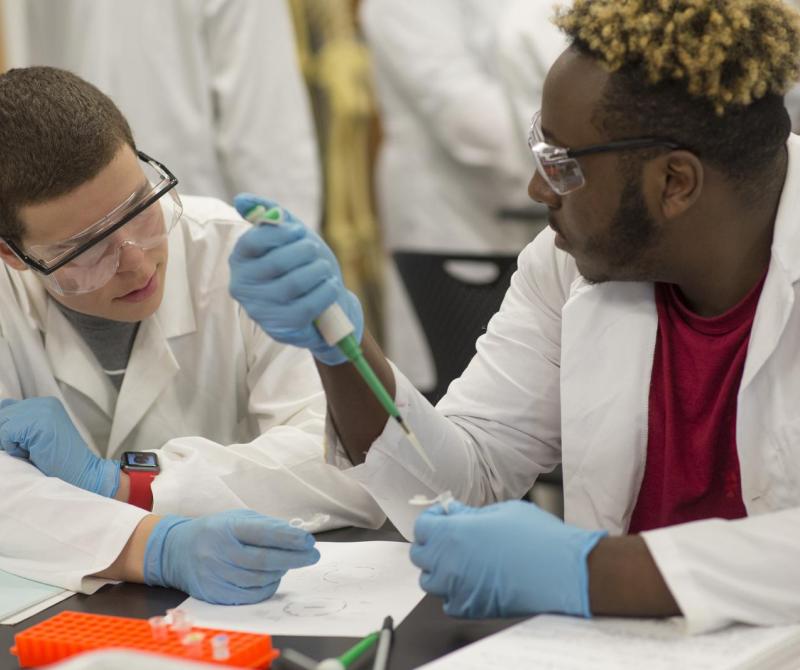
(792, 98)
(563, 374)
(212, 88)
(239, 417)
(457, 81)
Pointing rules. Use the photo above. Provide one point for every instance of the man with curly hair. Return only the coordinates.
(648, 342)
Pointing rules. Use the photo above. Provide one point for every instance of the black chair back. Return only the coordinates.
(453, 312)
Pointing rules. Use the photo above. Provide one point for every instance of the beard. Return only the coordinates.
(625, 247)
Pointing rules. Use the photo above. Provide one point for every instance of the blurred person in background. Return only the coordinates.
(792, 98)
(211, 87)
(456, 80)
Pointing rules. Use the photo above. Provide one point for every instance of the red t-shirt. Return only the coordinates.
(692, 469)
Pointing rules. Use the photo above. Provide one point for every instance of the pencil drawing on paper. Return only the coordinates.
(350, 575)
(312, 607)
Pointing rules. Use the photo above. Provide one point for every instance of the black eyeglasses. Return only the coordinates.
(558, 165)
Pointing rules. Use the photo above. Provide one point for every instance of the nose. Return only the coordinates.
(131, 257)
(539, 191)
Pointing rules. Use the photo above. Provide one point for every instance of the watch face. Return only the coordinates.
(140, 460)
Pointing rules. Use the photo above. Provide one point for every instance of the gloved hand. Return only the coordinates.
(284, 277)
(230, 558)
(508, 559)
(40, 430)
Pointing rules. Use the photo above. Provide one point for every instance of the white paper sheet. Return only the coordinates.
(35, 609)
(564, 643)
(347, 594)
(21, 598)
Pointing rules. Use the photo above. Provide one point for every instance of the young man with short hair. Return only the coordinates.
(649, 342)
(118, 337)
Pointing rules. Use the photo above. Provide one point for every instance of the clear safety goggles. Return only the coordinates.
(88, 260)
(559, 167)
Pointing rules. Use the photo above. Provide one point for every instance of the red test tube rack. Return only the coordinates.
(70, 633)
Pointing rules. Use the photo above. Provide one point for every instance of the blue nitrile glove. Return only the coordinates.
(229, 558)
(40, 430)
(508, 559)
(284, 277)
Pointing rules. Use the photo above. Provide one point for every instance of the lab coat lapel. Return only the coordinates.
(73, 362)
(152, 364)
(608, 339)
(150, 368)
(777, 296)
(772, 314)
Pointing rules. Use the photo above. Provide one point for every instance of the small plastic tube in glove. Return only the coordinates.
(285, 277)
(40, 430)
(230, 558)
(508, 559)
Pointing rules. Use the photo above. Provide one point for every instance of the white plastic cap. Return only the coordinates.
(334, 325)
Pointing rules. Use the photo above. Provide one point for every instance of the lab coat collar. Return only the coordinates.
(777, 296)
(786, 236)
(151, 367)
(608, 336)
(73, 361)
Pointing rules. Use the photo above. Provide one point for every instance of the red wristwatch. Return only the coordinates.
(142, 468)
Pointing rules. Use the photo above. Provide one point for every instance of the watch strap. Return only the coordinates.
(141, 493)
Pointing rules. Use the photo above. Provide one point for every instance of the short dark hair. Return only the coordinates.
(743, 144)
(708, 74)
(57, 131)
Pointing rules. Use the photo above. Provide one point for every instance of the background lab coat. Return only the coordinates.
(458, 82)
(563, 374)
(239, 417)
(212, 88)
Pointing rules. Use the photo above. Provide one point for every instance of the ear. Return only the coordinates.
(682, 178)
(10, 258)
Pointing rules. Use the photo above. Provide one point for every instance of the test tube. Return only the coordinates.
(311, 524)
(159, 627)
(443, 498)
(180, 622)
(220, 650)
(193, 642)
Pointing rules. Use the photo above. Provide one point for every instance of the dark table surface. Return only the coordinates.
(424, 635)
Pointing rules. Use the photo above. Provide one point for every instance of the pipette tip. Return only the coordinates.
(415, 443)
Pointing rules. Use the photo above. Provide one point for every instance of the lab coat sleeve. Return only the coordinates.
(56, 533)
(265, 132)
(721, 572)
(422, 47)
(498, 427)
(281, 473)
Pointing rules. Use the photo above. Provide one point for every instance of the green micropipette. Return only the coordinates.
(342, 662)
(357, 650)
(336, 329)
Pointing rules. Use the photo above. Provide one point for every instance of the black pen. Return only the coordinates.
(384, 644)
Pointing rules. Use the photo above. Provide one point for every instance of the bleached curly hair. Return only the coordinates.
(730, 52)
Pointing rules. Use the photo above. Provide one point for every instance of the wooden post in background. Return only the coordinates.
(2, 40)
(336, 64)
